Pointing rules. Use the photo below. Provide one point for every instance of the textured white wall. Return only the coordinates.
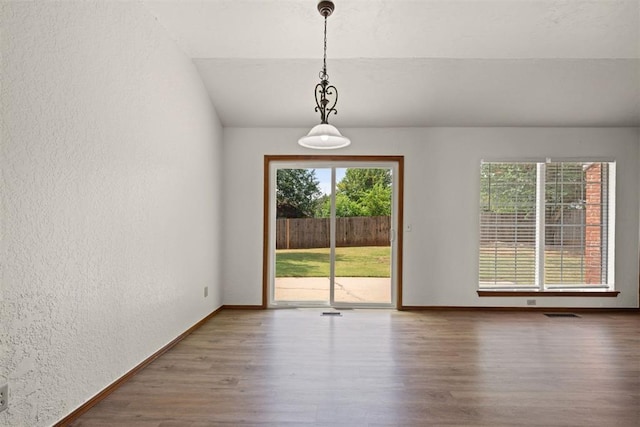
(441, 203)
(111, 200)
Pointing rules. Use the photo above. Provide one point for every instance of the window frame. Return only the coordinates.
(540, 286)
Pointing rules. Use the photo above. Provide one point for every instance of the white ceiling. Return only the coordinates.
(416, 63)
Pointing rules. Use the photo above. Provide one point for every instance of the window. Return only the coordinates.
(546, 225)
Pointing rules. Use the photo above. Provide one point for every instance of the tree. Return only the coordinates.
(508, 187)
(377, 201)
(344, 207)
(357, 183)
(362, 192)
(511, 187)
(297, 193)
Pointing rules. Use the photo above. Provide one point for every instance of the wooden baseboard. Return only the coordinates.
(549, 309)
(243, 307)
(126, 377)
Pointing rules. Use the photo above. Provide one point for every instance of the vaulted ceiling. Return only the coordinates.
(416, 63)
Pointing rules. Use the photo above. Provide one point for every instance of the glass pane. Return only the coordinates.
(363, 247)
(575, 218)
(507, 225)
(302, 254)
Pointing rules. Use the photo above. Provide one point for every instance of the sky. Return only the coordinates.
(324, 176)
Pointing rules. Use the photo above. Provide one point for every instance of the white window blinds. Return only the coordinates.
(568, 247)
(507, 225)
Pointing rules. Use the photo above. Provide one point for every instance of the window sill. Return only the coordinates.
(519, 293)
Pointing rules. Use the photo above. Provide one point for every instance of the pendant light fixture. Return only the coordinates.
(325, 136)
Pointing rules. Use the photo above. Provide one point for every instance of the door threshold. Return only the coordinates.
(332, 307)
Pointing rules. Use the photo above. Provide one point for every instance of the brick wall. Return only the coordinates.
(593, 227)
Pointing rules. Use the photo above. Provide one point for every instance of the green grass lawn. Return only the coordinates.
(369, 261)
(374, 261)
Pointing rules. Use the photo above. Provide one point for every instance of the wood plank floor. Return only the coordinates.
(386, 368)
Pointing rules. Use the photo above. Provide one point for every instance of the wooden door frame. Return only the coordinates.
(398, 181)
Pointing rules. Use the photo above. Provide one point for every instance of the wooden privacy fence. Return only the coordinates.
(307, 233)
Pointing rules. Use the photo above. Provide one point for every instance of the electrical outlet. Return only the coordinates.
(4, 397)
(206, 291)
(531, 302)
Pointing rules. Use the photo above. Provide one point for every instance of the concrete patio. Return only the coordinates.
(360, 290)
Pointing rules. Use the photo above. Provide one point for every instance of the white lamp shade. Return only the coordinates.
(324, 137)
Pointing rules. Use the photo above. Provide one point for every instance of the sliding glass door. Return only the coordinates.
(332, 229)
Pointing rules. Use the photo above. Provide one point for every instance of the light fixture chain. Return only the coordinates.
(326, 95)
(324, 64)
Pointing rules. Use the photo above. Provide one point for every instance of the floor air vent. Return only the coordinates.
(561, 315)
